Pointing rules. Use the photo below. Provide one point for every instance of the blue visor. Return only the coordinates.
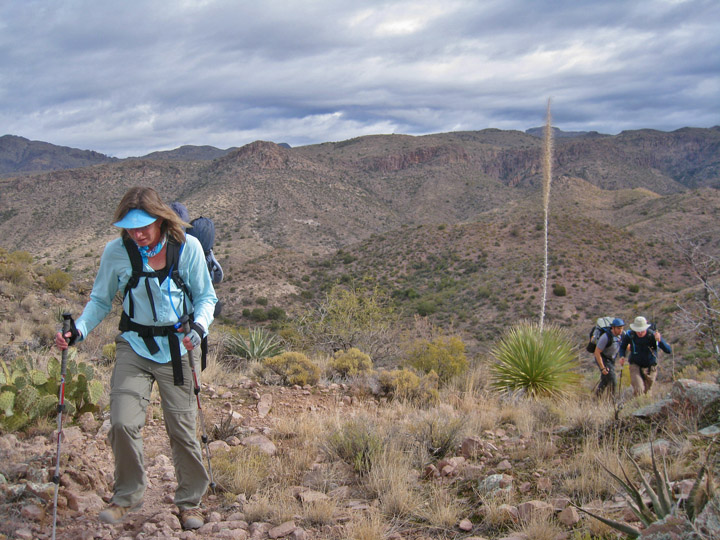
(135, 218)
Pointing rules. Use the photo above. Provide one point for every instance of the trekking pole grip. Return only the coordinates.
(66, 327)
(184, 325)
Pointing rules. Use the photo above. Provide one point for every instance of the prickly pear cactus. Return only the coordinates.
(7, 402)
(27, 394)
(26, 399)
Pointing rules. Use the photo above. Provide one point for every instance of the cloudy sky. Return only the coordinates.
(128, 77)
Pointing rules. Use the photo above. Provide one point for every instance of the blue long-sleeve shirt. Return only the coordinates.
(114, 273)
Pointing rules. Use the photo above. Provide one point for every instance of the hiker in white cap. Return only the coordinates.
(164, 278)
(642, 340)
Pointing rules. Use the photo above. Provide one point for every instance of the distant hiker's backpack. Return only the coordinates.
(602, 325)
(204, 230)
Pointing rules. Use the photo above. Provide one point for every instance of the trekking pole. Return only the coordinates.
(66, 327)
(185, 327)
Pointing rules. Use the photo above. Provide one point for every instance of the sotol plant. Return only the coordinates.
(534, 361)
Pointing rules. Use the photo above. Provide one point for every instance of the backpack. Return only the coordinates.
(602, 325)
(204, 230)
(150, 333)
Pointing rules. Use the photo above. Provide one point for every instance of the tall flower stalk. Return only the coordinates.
(547, 178)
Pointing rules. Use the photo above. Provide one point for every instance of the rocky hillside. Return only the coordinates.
(20, 155)
(451, 221)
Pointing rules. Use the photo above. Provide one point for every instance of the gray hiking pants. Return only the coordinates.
(130, 388)
(608, 381)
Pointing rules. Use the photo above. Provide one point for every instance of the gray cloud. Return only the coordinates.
(131, 77)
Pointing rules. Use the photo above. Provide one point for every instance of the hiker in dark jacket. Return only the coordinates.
(643, 346)
(606, 351)
(150, 348)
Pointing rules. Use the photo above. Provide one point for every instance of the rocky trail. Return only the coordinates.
(87, 472)
(496, 461)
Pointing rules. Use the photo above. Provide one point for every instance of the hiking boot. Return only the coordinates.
(191, 518)
(114, 513)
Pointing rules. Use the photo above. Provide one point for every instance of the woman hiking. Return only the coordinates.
(164, 278)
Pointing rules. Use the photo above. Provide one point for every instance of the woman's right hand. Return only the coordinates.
(62, 342)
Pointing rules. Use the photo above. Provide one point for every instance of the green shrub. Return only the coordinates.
(293, 368)
(351, 362)
(356, 443)
(276, 314)
(559, 290)
(437, 434)
(534, 362)
(634, 288)
(444, 356)
(108, 352)
(426, 307)
(258, 315)
(404, 384)
(20, 257)
(57, 281)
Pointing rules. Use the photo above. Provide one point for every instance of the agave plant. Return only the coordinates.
(534, 361)
(662, 503)
(258, 345)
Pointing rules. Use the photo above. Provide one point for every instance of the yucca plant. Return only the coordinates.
(534, 362)
(259, 344)
(661, 499)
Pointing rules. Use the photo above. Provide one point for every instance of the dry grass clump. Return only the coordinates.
(273, 504)
(241, 469)
(321, 512)
(441, 507)
(435, 433)
(582, 476)
(540, 526)
(496, 511)
(391, 482)
(367, 526)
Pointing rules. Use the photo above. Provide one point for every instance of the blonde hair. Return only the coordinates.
(147, 199)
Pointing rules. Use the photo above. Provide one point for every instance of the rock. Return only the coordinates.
(431, 472)
(660, 407)
(32, 512)
(465, 525)
(87, 422)
(494, 483)
(660, 447)
(544, 484)
(525, 487)
(85, 502)
(694, 393)
(284, 529)
(218, 446)
(569, 516)
(670, 528)
(260, 442)
(259, 529)
(710, 431)
(472, 447)
(264, 405)
(708, 521)
(504, 465)
(529, 509)
(309, 496)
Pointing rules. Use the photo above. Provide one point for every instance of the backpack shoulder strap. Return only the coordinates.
(172, 264)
